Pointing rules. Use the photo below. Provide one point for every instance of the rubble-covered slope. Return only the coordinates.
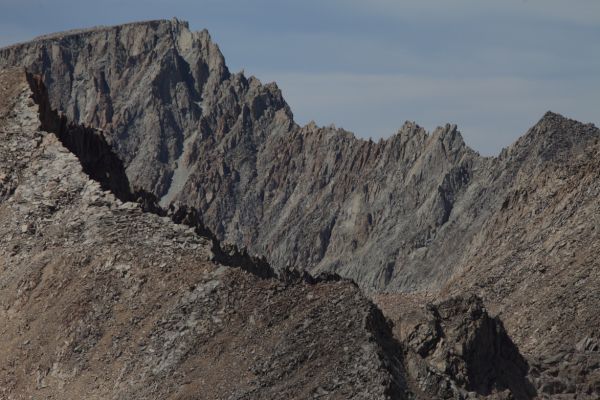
(102, 300)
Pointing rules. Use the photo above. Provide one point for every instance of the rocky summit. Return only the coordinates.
(168, 231)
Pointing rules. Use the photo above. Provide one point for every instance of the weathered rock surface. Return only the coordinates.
(536, 261)
(419, 215)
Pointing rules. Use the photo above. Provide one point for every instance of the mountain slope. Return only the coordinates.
(534, 261)
(104, 296)
(418, 216)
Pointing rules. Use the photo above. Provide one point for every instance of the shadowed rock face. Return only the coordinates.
(458, 348)
(417, 214)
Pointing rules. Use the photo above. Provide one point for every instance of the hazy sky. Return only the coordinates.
(492, 67)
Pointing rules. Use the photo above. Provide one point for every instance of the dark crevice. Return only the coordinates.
(292, 275)
(97, 159)
(325, 238)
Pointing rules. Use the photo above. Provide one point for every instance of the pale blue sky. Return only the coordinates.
(492, 67)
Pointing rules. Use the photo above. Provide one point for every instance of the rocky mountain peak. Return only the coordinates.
(554, 138)
(450, 136)
(556, 125)
(191, 133)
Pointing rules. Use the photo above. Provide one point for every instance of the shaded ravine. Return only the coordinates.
(180, 174)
